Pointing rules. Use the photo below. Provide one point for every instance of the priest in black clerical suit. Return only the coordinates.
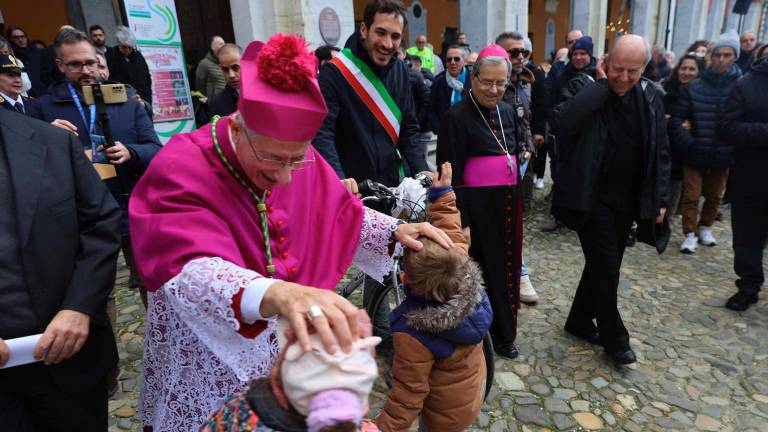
(613, 170)
(478, 137)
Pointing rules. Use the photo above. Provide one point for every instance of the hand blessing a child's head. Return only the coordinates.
(365, 329)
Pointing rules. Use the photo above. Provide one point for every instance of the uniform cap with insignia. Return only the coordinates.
(8, 64)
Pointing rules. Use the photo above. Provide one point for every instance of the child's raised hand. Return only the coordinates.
(443, 179)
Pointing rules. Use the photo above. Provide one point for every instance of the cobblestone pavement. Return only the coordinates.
(700, 366)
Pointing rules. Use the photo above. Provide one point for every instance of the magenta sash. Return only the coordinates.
(485, 171)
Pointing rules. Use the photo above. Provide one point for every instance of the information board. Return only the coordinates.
(155, 24)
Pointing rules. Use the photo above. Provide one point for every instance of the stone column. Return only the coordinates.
(483, 20)
(591, 17)
(715, 17)
(260, 19)
(662, 24)
(645, 19)
(690, 21)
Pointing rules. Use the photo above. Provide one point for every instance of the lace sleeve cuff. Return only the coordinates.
(373, 256)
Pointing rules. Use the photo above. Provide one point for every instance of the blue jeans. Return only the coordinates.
(523, 267)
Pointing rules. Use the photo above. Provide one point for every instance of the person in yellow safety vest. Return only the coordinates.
(422, 50)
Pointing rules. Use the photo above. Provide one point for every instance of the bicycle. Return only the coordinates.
(392, 292)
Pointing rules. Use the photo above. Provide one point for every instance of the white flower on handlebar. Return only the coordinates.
(411, 198)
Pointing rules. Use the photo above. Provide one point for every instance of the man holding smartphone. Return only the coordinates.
(135, 141)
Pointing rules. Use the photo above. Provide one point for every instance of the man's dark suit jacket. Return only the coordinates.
(223, 103)
(68, 227)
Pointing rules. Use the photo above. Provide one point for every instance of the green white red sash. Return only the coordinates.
(371, 91)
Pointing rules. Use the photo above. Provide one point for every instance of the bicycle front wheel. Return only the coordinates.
(490, 363)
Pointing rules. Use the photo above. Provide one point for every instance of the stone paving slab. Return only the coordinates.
(700, 366)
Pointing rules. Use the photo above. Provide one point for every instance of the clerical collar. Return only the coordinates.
(231, 140)
(11, 100)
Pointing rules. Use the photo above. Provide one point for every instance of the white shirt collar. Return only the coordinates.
(12, 101)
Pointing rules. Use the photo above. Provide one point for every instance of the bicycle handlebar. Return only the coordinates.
(383, 198)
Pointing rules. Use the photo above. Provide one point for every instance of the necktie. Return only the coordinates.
(19, 107)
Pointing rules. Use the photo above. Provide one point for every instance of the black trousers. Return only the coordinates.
(749, 221)
(540, 162)
(603, 240)
(30, 401)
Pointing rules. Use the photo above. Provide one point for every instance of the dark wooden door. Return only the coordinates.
(199, 21)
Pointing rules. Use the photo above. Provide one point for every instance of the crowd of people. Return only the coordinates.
(237, 233)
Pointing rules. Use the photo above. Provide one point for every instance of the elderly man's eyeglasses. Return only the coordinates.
(77, 66)
(453, 59)
(515, 52)
(488, 84)
(275, 164)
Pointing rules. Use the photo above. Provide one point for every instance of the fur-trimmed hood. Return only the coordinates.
(464, 319)
(438, 318)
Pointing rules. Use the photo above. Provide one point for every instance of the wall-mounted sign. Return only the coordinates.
(155, 24)
(330, 26)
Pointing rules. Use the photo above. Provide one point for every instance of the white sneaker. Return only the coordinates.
(540, 183)
(705, 236)
(527, 293)
(689, 244)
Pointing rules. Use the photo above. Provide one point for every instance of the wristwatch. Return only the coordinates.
(397, 224)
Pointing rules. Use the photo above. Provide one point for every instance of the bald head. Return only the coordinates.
(229, 48)
(572, 36)
(626, 62)
(216, 43)
(633, 46)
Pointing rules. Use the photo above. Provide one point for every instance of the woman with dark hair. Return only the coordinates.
(690, 66)
(700, 48)
(760, 53)
(29, 54)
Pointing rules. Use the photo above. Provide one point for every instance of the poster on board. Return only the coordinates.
(155, 24)
(170, 99)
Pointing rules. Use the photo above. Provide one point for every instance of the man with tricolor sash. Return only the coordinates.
(371, 131)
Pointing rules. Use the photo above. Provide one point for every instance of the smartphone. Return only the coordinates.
(113, 93)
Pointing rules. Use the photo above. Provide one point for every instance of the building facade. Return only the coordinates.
(672, 23)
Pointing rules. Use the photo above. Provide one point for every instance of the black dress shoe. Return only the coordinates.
(592, 336)
(507, 350)
(623, 357)
(741, 301)
(632, 238)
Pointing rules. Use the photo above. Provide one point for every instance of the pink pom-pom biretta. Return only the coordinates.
(278, 87)
(285, 63)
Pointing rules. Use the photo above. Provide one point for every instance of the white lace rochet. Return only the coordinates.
(194, 358)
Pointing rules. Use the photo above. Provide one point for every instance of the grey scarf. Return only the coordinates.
(454, 83)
